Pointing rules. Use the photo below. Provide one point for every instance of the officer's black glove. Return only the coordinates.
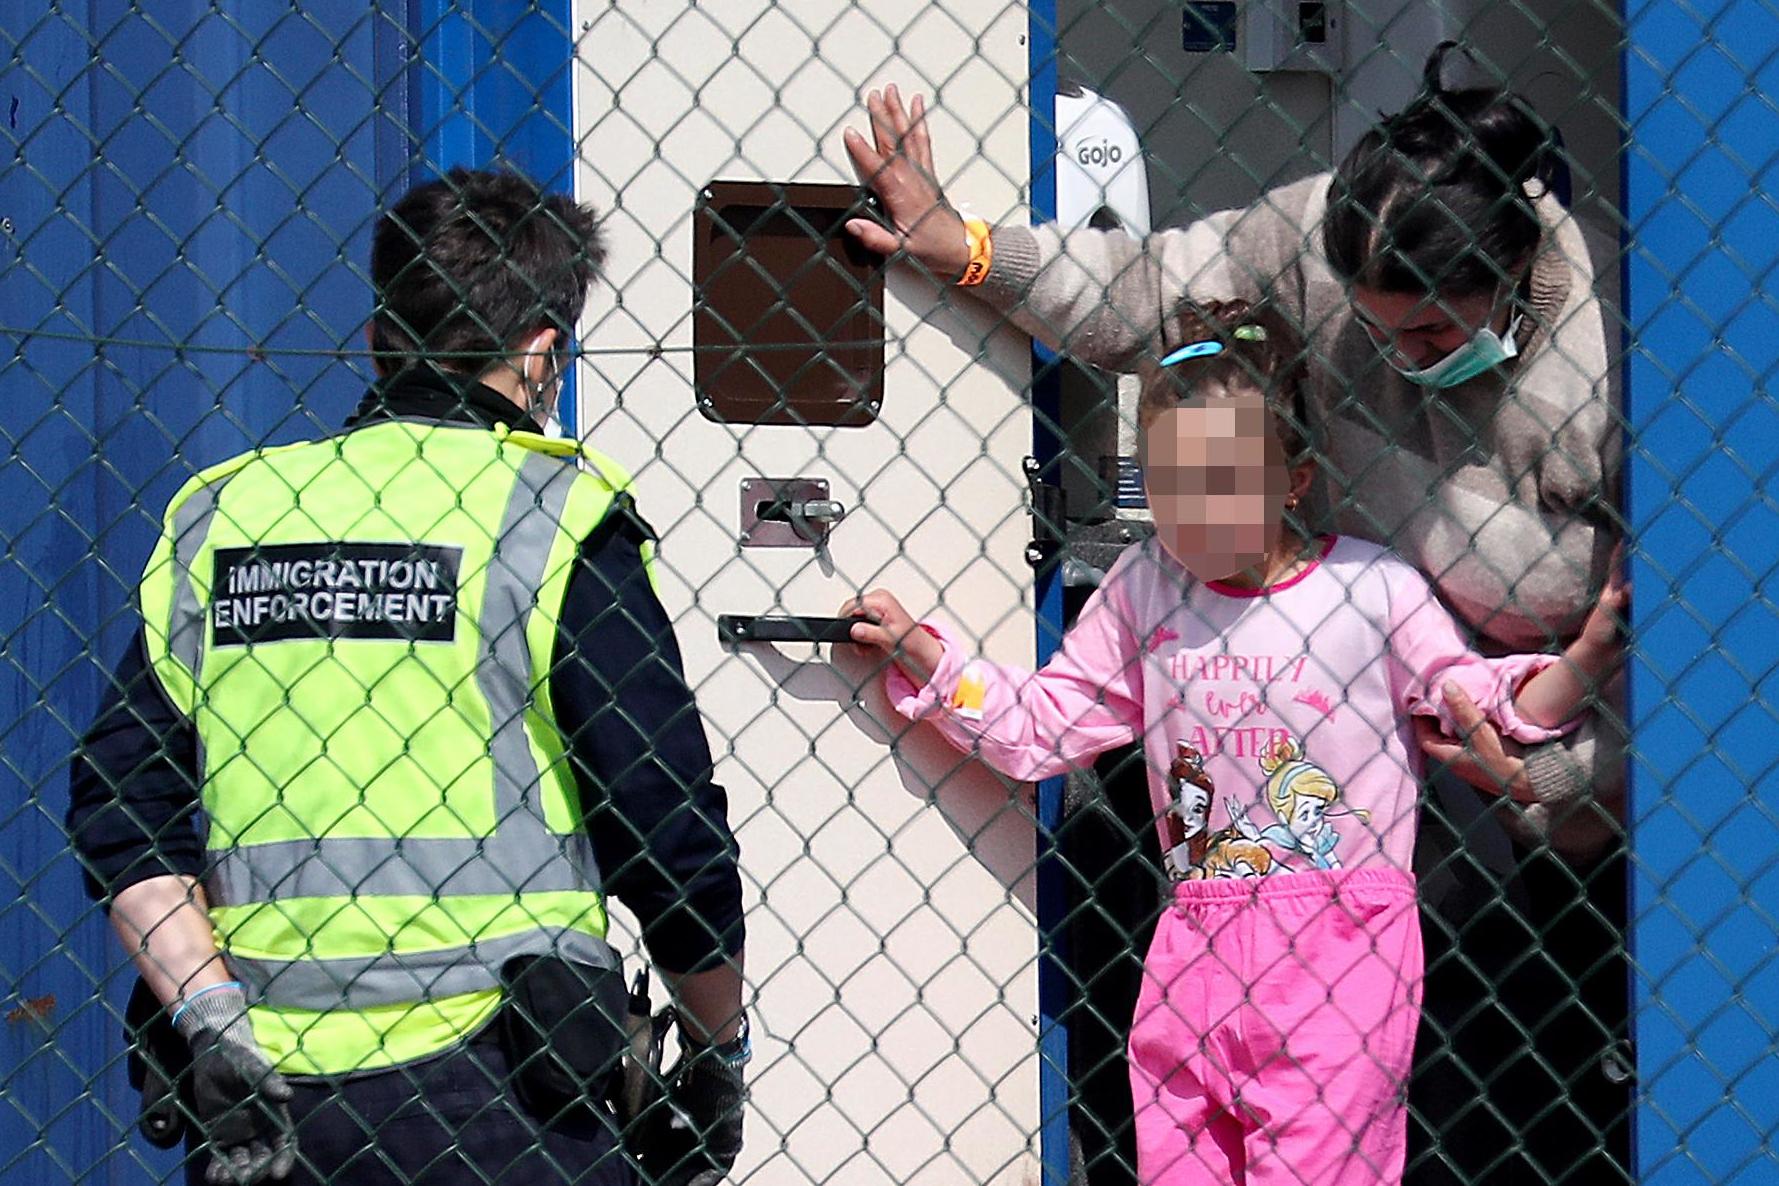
(239, 1101)
(706, 1096)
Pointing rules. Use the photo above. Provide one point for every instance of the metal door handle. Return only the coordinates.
(738, 628)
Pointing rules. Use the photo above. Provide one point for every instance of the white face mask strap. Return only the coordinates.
(538, 348)
(543, 405)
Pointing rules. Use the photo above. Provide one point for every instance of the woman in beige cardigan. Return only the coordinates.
(1461, 387)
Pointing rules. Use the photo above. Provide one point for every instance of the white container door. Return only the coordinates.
(891, 950)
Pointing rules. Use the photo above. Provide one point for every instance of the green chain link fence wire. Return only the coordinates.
(188, 199)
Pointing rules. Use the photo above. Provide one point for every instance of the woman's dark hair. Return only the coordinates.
(466, 266)
(1434, 198)
(1262, 353)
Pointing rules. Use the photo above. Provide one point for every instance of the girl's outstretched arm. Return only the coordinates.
(1026, 724)
(1430, 658)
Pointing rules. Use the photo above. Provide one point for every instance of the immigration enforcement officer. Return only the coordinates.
(416, 683)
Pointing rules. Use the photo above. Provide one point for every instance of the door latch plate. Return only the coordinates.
(765, 518)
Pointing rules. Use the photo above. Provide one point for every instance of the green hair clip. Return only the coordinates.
(1249, 333)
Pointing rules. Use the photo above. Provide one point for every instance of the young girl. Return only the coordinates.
(1271, 677)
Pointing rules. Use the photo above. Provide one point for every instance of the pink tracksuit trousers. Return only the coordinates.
(1275, 1031)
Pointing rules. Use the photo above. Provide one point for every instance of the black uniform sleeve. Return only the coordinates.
(658, 821)
(133, 791)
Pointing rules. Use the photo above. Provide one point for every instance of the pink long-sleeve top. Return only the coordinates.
(1276, 722)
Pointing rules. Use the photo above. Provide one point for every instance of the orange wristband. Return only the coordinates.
(982, 252)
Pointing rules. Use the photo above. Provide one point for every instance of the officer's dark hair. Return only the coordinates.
(1434, 198)
(469, 265)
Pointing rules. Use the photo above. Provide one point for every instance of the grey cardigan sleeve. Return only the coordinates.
(1579, 783)
(1106, 298)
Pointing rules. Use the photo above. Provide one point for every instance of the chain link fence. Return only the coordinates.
(943, 962)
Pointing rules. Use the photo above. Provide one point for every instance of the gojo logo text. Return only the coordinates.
(1100, 154)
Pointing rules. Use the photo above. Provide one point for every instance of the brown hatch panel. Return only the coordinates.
(787, 319)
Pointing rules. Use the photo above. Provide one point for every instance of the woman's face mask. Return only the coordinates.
(1217, 479)
(1436, 343)
(1485, 351)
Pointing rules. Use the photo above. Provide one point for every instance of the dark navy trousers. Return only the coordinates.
(447, 1121)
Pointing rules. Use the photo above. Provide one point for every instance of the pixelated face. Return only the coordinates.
(1308, 816)
(1195, 809)
(1237, 869)
(1421, 330)
(1217, 479)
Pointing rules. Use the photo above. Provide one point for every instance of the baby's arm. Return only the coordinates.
(1558, 692)
(1028, 725)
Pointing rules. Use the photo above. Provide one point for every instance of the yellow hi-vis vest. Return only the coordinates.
(361, 629)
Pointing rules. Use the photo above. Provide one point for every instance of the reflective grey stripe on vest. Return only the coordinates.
(521, 856)
(391, 979)
(185, 616)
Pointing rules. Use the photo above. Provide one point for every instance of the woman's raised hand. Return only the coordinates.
(897, 162)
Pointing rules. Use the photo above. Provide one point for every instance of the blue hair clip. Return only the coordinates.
(1195, 350)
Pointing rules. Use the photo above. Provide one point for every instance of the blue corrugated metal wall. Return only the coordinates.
(190, 192)
(1700, 181)
(201, 197)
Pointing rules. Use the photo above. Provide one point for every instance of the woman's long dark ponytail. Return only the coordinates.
(1435, 198)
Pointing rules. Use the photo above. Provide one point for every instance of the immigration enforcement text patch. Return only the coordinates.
(278, 592)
